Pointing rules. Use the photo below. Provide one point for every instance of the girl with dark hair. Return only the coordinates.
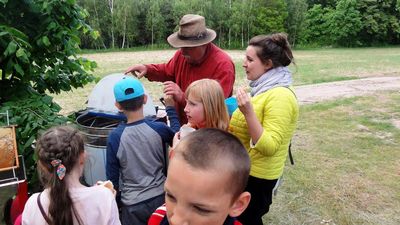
(266, 120)
(65, 200)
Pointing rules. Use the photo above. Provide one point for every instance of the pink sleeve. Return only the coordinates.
(114, 214)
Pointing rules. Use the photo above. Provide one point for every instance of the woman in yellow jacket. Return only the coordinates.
(265, 122)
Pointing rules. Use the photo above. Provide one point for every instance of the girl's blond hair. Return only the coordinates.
(211, 95)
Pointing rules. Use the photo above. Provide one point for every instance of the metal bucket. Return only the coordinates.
(95, 131)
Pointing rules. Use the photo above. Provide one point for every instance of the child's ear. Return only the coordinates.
(82, 158)
(240, 204)
(144, 99)
(118, 106)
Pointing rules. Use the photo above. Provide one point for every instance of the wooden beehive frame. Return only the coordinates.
(14, 143)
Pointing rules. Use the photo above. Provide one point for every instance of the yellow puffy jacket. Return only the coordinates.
(277, 110)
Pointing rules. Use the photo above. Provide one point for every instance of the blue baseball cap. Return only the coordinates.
(128, 88)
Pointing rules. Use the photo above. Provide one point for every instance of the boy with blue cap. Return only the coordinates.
(136, 158)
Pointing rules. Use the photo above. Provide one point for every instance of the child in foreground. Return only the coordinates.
(207, 175)
(65, 200)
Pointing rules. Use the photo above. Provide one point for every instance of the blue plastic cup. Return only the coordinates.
(231, 104)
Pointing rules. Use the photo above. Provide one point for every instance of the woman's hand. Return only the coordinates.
(245, 106)
(244, 101)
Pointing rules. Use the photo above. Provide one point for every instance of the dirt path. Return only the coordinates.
(309, 94)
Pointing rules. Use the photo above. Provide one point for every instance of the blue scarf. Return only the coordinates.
(275, 77)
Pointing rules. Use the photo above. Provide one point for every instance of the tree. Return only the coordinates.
(39, 41)
(97, 20)
(316, 30)
(155, 22)
(381, 21)
(345, 23)
(263, 24)
(237, 22)
(297, 10)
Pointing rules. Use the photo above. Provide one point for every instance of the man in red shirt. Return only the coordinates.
(196, 59)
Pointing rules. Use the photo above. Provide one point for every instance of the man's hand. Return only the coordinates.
(171, 88)
(137, 70)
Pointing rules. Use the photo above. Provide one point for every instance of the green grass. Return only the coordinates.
(347, 164)
(325, 65)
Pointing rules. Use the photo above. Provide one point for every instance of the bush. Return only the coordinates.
(32, 113)
(39, 42)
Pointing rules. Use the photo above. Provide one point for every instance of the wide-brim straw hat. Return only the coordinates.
(192, 32)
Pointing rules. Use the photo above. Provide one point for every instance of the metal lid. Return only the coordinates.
(102, 97)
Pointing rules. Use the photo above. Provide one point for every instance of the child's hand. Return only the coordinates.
(176, 140)
(108, 184)
(169, 100)
(171, 88)
(244, 102)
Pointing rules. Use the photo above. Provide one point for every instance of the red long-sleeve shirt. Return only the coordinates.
(217, 65)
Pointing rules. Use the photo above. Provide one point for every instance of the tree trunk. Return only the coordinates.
(242, 36)
(111, 6)
(98, 23)
(152, 34)
(124, 32)
(229, 29)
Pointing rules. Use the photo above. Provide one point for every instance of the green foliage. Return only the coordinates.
(345, 23)
(381, 21)
(316, 25)
(354, 23)
(33, 113)
(297, 10)
(39, 42)
(155, 22)
(142, 22)
(133, 23)
(263, 24)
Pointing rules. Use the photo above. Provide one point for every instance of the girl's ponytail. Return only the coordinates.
(58, 150)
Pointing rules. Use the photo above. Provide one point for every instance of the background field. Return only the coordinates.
(347, 161)
(312, 66)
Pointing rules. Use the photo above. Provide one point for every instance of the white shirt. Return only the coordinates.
(95, 205)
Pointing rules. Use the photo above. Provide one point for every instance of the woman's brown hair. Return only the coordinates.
(211, 95)
(65, 144)
(274, 47)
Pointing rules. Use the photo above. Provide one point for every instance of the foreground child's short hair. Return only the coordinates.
(215, 149)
